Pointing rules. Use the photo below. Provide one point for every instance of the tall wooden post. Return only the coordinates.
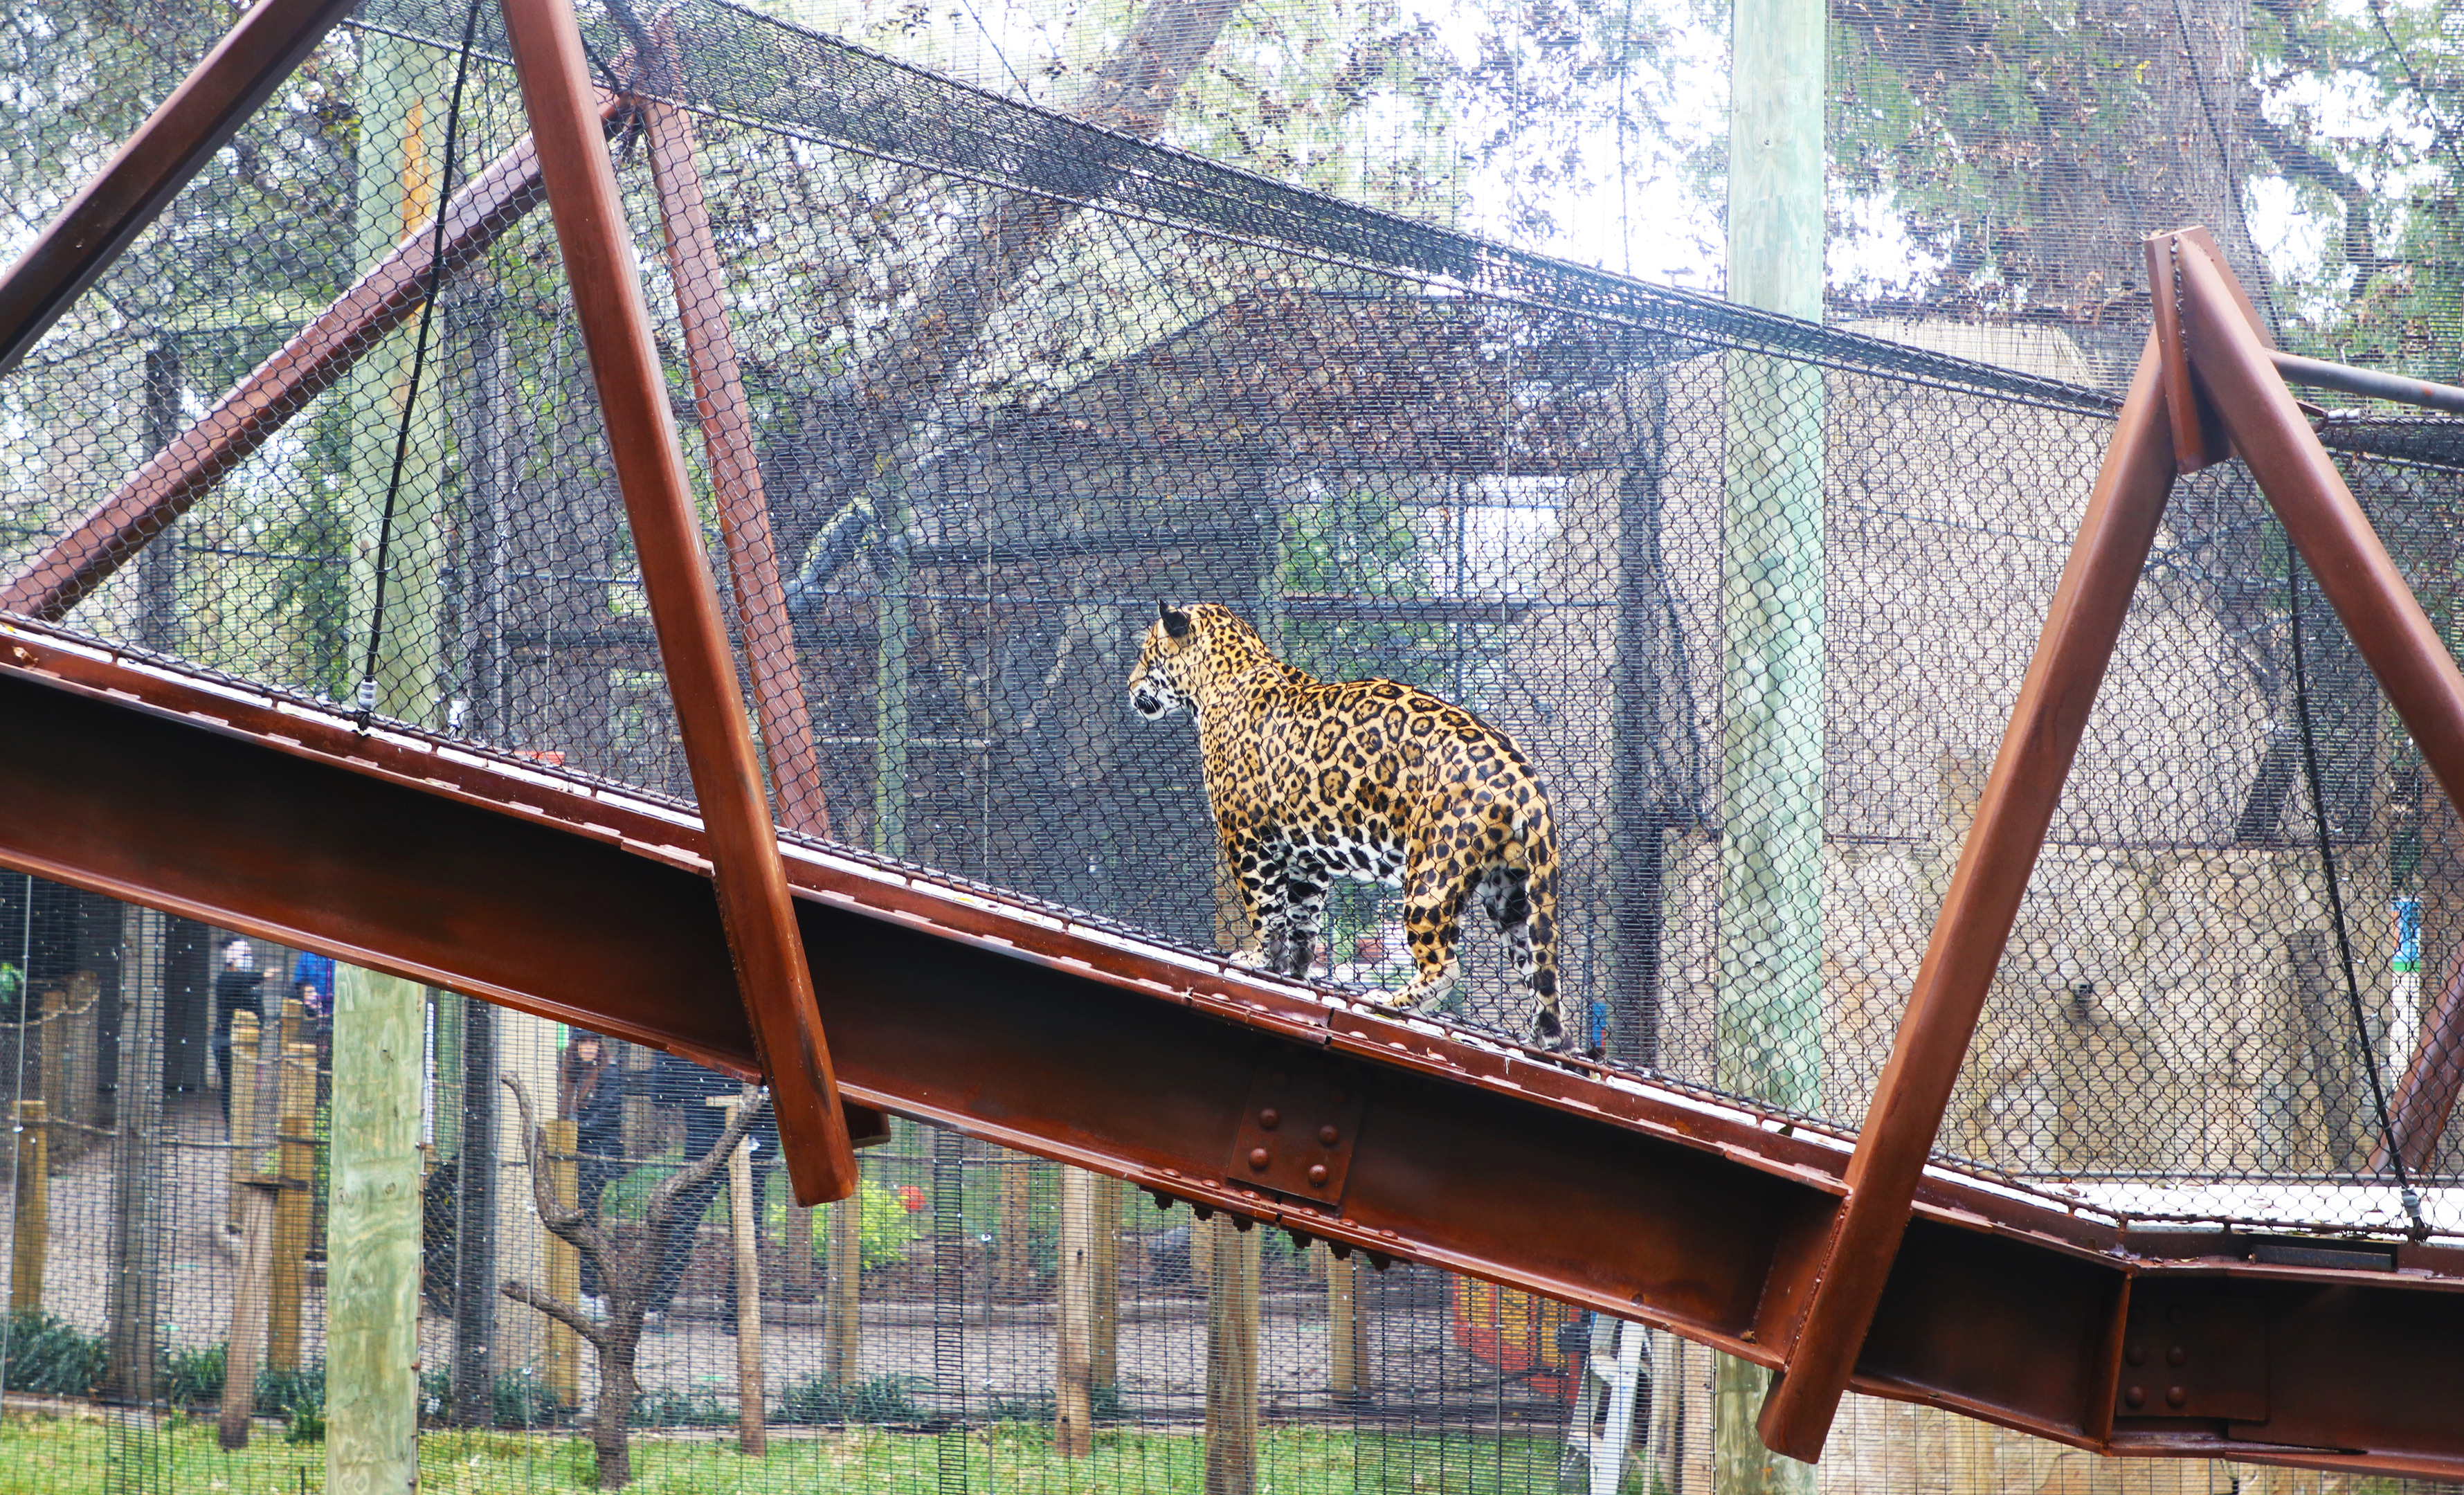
(135, 1322)
(1342, 1327)
(844, 1289)
(751, 1430)
(1104, 1354)
(240, 1087)
(798, 1258)
(372, 1236)
(1232, 1360)
(1771, 609)
(34, 1222)
(1014, 1263)
(1073, 1369)
(297, 1148)
(252, 1296)
(56, 1055)
(564, 1266)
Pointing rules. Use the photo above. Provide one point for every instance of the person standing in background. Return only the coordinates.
(312, 981)
(236, 991)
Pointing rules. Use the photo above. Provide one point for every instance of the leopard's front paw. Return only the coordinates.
(1248, 959)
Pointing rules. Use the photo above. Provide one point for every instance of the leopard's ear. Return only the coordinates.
(1175, 621)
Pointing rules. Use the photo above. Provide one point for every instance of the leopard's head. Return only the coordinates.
(1164, 679)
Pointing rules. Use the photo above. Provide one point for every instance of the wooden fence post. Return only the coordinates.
(843, 1286)
(1013, 1265)
(296, 1139)
(34, 1206)
(1104, 1355)
(751, 1430)
(1232, 1360)
(239, 1086)
(797, 1258)
(1074, 1428)
(250, 1300)
(563, 1265)
(1342, 1327)
(56, 1055)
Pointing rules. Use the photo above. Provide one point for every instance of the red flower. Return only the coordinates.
(913, 1197)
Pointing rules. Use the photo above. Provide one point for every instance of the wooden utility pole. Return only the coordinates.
(1769, 1028)
(1231, 1359)
(372, 1236)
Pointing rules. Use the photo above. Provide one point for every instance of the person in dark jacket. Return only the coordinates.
(236, 991)
(689, 1086)
(590, 1094)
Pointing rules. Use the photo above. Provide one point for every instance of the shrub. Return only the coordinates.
(48, 1356)
(193, 1375)
(884, 1399)
(679, 1409)
(892, 1219)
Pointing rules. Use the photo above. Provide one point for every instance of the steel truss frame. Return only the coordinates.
(575, 900)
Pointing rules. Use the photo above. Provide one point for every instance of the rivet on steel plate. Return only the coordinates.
(2175, 1396)
(2136, 1396)
(1327, 1135)
(2136, 1355)
(2176, 1356)
(1317, 1175)
(1259, 1157)
(1271, 1118)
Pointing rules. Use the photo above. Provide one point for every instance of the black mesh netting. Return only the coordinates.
(967, 387)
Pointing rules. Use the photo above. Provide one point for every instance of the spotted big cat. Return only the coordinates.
(1312, 779)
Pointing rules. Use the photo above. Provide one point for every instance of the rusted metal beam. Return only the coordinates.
(753, 899)
(188, 467)
(1831, 1302)
(1079, 1044)
(2361, 580)
(734, 468)
(178, 138)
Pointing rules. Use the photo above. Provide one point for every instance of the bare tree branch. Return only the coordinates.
(556, 1307)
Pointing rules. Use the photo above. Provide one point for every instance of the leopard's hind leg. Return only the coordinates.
(1433, 894)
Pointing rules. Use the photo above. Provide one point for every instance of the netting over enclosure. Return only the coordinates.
(968, 389)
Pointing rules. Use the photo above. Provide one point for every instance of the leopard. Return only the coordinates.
(1311, 780)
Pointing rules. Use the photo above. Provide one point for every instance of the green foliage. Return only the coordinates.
(889, 1226)
(46, 1356)
(883, 1398)
(520, 1400)
(193, 1375)
(1356, 541)
(1106, 1401)
(296, 1398)
(629, 1197)
(679, 1409)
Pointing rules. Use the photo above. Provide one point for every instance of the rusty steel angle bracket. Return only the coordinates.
(2388, 628)
(164, 487)
(763, 941)
(178, 138)
(1837, 1288)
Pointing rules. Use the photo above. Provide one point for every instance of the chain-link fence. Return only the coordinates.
(968, 389)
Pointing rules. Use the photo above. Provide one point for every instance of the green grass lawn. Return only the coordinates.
(42, 1455)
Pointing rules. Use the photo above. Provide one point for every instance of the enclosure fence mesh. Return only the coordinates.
(971, 393)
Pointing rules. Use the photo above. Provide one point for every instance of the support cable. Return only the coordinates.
(367, 693)
(2410, 1196)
